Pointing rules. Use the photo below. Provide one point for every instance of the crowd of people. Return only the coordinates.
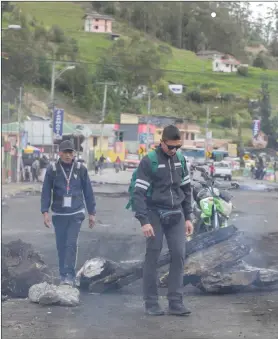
(35, 170)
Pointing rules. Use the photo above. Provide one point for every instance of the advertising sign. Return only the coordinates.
(177, 89)
(232, 150)
(58, 120)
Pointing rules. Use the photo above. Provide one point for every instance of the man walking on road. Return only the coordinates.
(167, 211)
(67, 181)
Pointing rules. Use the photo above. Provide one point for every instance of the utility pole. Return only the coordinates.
(148, 123)
(103, 113)
(19, 134)
(207, 131)
(103, 117)
(52, 105)
(181, 19)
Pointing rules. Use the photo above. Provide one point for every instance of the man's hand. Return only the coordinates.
(148, 230)
(46, 220)
(189, 228)
(92, 221)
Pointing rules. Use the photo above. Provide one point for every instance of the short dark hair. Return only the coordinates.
(171, 132)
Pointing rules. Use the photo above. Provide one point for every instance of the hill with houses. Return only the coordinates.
(183, 67)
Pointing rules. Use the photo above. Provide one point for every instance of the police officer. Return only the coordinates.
(167, 211)
(65, 184)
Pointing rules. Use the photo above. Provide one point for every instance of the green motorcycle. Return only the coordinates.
(212, 207)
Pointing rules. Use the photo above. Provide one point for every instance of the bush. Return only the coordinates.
(194, 96)
(243, 71)
(57, 34)
(260, 61)
(209, 94)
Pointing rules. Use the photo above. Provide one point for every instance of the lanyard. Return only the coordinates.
(67, 178)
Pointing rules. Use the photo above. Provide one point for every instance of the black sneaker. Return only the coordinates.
(153, 309)
(178, 308)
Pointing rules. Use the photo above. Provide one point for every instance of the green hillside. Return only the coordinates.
(183, 67)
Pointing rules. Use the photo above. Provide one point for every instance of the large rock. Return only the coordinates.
(240, 277)
(217, 258)
(227, 282)
(22, 267)
(49, 294)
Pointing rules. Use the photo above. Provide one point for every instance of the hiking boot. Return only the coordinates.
(62, 280)
(68, 281)
(153, 309)
(178, 308)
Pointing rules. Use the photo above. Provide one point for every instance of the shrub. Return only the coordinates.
(243, 71)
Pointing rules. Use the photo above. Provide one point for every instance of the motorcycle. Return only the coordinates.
(212, 207)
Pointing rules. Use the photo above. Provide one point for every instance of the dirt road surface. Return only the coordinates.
(120, 314)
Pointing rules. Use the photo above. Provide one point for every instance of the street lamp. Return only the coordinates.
(55, 77)
(148, 123)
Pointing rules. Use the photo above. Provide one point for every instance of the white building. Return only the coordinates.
(227, 64)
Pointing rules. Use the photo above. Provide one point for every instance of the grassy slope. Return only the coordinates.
(191, 70)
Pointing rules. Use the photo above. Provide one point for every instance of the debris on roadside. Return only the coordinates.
(21, 268)
(49, 294)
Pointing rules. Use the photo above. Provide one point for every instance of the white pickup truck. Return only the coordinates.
(222, 170)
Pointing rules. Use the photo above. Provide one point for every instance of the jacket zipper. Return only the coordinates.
(169, 161)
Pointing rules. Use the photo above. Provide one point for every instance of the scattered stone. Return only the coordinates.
(22, 267)
(49, 294)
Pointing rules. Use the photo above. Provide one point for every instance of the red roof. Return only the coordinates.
(229, 61)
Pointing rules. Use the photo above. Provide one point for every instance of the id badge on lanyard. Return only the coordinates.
(67, 199)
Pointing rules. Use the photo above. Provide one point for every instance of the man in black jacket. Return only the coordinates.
(65, 184)
(167, 211)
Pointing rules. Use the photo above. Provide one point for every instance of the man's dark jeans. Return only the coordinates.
(175, 236)
(67, 228)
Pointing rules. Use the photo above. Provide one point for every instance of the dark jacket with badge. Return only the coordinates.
(170, 190)
(55, 189)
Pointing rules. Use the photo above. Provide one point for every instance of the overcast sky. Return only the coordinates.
(257, 9)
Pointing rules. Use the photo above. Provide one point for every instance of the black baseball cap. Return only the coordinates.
(66, 145)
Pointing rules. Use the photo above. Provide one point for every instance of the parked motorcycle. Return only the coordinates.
(212, 207)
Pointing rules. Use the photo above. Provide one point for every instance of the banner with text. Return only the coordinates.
(58, 120)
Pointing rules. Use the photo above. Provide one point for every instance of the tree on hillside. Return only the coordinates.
(268, 124)
(132, 63)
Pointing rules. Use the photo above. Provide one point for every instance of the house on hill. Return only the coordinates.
(225, 63)
(97, 23)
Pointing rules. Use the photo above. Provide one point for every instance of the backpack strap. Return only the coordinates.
(183, 164)
(54, 167)
(77, 167)
(154, 160)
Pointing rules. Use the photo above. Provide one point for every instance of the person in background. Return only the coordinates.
(44, 162)
(211, 169)
(275, 171)
(101, 163)
(118, 164)
(96, 166)
(35, 168)
(65, 186)
(168, 211)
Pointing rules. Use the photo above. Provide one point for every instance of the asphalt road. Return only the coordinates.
(117, 236)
